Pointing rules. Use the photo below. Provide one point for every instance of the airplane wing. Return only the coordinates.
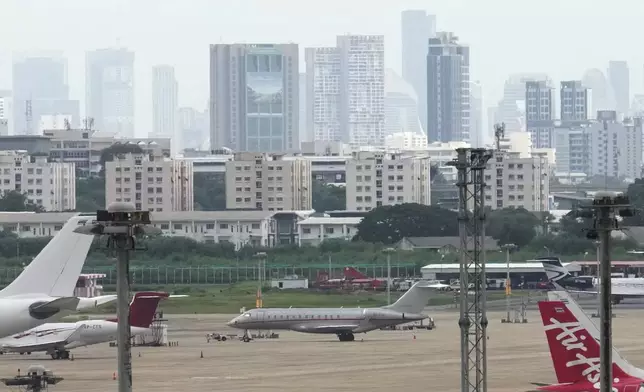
(41, 340)
(616, 290)
(324, 328)
(438, 286)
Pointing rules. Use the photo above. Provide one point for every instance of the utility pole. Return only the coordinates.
(261, 265)
(470, 165)
(122, 223)
(605, 209)
(599, 301)
(508, 283)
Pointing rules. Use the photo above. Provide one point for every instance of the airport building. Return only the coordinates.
(51, 185)
(314, 230)
(240, 228)
(150, 181)
(268, 182)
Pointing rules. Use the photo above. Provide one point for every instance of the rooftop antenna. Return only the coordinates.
(68, 126)
(499, 133)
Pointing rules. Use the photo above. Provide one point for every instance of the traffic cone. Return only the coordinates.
(139, 354)
(201, 355)
(114, 376)
(414, 337)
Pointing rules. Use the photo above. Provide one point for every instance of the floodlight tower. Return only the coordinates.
(605, 209)
(470, 165)
(122, 223)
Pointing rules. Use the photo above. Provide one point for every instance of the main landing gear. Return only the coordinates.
(346, 337)
(60, 354)
(246, 338)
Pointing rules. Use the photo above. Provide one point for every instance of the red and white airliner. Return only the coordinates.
(574, 347)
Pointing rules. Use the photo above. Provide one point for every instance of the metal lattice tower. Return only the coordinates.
(470, 165)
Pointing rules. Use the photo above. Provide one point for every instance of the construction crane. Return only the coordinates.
(499, 133)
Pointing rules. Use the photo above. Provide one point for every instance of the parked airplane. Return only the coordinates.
(620, 287)
(574, 348)
(344, 322)
(45, 288)
(58, 338)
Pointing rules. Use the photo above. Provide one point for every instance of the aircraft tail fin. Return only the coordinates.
(144, 307)
(573, 348)
(555, 271)
(55, 270)
(414, 300)
(352, 273)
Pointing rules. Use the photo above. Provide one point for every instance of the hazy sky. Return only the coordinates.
(560, 37)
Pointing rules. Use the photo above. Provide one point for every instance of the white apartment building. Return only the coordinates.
(379, 178)
(268, 182)
(440, 154)
(512, 181)
(314, 230)
(241, 228)
(150, 181)
(49, 184)
(406, 141)
(598, 149)
(616, 147)
(83, 147)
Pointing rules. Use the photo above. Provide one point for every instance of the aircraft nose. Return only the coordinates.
(232, 323)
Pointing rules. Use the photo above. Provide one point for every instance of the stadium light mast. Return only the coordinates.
(470, 165)
(122, 223)
(605, 209)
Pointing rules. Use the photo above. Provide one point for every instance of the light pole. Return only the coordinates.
(508, 283)
(547, 250)
(261, 266)
(122, 224)
(389, 251)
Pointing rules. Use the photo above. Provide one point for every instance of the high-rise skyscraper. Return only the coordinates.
(540, 113)
(401, 106)
(254, 97)
(346, 91)
(448, 89)
(618, 77)
(603, 97)
(417, 28)
(164, 105)
(40, 89)
(109, 90)
(511, 109)
(362, 82)
(477, 133)
(323, 94)
(574, 100)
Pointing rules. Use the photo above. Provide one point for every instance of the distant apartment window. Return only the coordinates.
(210, 226)
(223, 226)
(328, 230)
(255, 226)
(177, 226)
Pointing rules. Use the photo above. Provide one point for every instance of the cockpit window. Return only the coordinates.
(246, 315)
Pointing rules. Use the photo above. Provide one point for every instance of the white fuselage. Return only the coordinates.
(90, 332)
(16, 317)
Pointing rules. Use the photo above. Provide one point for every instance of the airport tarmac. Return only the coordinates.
(383, 361)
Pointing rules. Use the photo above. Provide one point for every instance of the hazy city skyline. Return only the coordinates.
(170, 32)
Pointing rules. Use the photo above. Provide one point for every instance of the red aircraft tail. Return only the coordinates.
(352, 273)
(575, 353)
(143, 308)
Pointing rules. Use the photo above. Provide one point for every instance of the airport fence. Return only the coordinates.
(169, 275)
